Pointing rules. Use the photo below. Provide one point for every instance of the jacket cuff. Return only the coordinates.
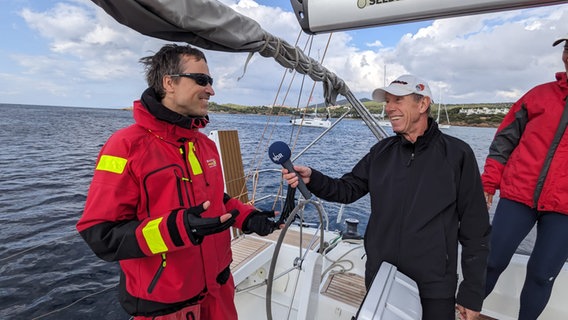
(469, 299)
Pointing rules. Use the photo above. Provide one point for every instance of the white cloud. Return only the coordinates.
(93, 61)
(483, 58)
(377, 43)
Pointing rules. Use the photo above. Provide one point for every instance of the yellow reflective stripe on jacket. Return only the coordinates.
(193, 162)
(153, 237)
(111, 164)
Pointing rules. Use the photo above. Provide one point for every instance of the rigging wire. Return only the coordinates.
(60, 239)
(35, 247)
(289, 200)
(267, 134)
(313, 86)
(76, 301)
(262, 146)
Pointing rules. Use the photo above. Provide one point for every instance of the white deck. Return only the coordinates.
(329, 286)
(341, 289)
(503, 302)
(336, 297)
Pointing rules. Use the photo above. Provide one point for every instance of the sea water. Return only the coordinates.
(47, 159)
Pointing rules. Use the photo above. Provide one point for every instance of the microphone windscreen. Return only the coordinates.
(279, 152)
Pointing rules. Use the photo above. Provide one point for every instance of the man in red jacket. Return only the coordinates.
(157, 203)
(528, 163)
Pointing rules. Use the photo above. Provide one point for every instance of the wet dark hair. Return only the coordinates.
(167, 61)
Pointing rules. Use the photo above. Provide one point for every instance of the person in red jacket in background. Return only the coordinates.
(157, 205)
(528, 163)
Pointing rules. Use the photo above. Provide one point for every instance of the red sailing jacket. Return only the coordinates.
(144, 173)
(528, 158)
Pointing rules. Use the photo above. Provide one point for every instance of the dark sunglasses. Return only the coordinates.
(200, 78)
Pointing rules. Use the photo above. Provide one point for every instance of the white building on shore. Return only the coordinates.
(483, 111)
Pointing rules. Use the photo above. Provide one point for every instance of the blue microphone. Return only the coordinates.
(280, 153)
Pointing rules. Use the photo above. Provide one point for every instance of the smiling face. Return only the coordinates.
(408, 114)
(183, 95)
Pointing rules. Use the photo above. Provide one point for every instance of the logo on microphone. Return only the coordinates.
(279, 152)
(276, 157)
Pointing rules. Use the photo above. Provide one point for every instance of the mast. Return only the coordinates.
(439, 106)
(384, 85)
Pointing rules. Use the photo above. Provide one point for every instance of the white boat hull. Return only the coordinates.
(382, 123)
(316, 122)
(503, 303)
(300, 294)
(329, 286)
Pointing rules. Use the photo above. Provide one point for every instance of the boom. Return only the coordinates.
(318, 16)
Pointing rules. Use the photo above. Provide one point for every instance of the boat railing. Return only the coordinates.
(278, 198)
(255, 178)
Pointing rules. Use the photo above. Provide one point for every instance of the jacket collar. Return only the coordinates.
(161, 121)
(423, 140)
(150, 100)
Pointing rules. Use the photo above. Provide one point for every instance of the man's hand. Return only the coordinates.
(292, 178)
(488, 199)
(466, 314)
(261, 223)
(198, 227)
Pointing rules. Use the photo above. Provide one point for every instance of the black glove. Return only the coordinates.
(260, 222)
(198, 227)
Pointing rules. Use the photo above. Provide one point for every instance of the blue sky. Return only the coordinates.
(71, 53)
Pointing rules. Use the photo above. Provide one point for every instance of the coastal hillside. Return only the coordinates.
(472, 114)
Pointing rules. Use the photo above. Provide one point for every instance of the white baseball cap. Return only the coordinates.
(565, 38)
(402, 86)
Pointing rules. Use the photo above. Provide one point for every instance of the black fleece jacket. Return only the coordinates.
(425, 197)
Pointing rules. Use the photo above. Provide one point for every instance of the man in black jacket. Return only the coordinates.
(426, 196)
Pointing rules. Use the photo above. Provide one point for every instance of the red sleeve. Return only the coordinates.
(244, 210)
(491, 176)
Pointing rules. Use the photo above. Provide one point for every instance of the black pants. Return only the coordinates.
(438, 309)
(511, 224)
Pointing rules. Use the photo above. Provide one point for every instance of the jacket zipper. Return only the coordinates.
(180, 187)
(193, 153)
(182, 178)
(158, 274)
(183, 158)
(410, 160)
(405, 208)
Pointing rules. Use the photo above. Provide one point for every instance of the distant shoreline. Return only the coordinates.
(477, 125)
(452, 123)
(456, 119)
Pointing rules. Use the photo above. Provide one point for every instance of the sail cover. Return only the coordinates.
(211, 25)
